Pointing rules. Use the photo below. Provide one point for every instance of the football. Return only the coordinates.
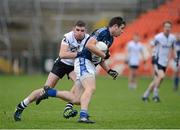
(102, 46)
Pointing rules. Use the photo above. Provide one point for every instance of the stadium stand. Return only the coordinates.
(27, 35)
(147, 25)
(5, 66)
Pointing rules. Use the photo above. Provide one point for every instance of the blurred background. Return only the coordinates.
(31, 30)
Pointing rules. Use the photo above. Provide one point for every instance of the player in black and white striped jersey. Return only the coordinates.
(134, 54)
(71, 44)
(163, 44)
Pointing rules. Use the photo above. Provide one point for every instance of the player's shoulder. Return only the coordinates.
(172, 36)
(68, 37)
(159, 35)
(69, 34)
(103, 29)
(100, 31)
(86, 35)
(130, 43)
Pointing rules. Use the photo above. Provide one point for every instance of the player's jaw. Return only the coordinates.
(167, 29)
(79, 33)
(118, 30)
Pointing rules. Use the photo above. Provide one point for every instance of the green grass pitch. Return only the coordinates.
(113, 105)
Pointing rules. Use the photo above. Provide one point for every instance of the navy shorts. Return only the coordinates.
(160, 67)
(134, 66)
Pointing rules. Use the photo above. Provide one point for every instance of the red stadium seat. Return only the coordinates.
(147, 25)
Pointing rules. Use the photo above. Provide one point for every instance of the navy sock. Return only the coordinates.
(176, 82)
(52, 92)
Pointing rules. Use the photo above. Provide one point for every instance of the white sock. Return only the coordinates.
(23, 104)
(130, 85)
(155, 92)
(134, 85)
(26, 101)
(146, 94)
(69, 105)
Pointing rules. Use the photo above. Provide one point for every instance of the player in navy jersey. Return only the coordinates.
(71, 44)
(177, 66)
(84, 67)
(85, 70)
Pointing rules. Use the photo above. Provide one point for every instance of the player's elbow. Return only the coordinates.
(62, 55)
(87, 45)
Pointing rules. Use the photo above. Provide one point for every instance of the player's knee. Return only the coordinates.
(92, 89)
(37, 92)
(76, 101)
(161, 77)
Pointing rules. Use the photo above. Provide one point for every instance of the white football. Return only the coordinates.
(102, 46)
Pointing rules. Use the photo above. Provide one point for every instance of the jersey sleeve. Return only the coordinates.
(174, 42)
(65, 41)
(98, 35)
(155, 41)
(128, 47)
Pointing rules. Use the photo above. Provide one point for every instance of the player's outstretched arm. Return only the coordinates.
(111, 72)
(105, 66)
(64, 53)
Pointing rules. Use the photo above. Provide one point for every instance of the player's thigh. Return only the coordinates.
(178, 72)
(82, 67)
(72, 76)
(51, 80)
(88, 81)
(133, 69)
(161, 74)
(58, 71)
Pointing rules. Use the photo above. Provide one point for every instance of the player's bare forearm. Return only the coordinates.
(91, 45)
(64, 53)
(144, 58)
(68, 55)
(105, 66)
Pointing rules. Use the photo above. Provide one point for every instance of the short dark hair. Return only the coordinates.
(116, 20)
(169, 22)
(80, 23)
